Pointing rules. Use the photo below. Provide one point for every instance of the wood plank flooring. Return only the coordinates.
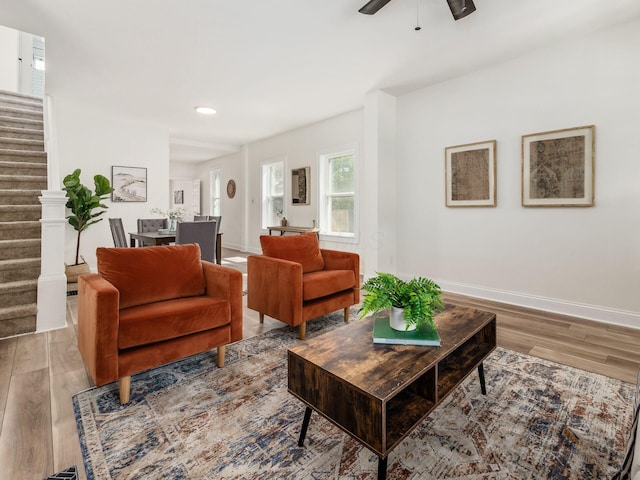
(40, 372)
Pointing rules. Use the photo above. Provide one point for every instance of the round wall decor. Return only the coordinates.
(231, 188)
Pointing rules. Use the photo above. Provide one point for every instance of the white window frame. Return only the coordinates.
(264, 191)
(324, 197)
(212, 194)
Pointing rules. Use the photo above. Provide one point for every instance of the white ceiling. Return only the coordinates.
(269, 66)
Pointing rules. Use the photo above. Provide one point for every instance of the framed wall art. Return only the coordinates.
(558, 168)
(129, 184)
(300, 183)
(470, 172)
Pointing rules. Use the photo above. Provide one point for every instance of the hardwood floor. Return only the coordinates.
(40, 372)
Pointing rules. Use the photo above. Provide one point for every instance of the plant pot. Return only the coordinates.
(397, 321)
(283, 222)
(74, 271)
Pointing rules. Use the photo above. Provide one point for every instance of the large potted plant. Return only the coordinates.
(84, 205)
(411, 303)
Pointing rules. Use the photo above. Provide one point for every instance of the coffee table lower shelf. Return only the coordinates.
(342, 376)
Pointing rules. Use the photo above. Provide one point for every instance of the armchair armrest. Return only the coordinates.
(275, 288)
(98, 319)
(226, 283)
(337, 260)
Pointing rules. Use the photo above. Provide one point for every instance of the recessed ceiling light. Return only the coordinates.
(206, 110)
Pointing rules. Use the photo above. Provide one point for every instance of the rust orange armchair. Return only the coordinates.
(150, 306)
(294, 280)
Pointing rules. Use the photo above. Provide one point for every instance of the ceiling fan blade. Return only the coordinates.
(373, 6)
(461, 8)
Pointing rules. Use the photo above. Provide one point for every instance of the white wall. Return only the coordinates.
(301, 147)
(232, 225)
(94, 141)
(583, 261)
(9, 48)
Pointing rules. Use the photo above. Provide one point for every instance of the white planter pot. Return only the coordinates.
(397, 321)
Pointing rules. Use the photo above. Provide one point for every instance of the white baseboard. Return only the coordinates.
(589, 312)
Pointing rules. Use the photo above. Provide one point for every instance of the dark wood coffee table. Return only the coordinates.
(379, 393)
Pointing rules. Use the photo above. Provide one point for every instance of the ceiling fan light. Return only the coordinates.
(206, 110)
(461, 8)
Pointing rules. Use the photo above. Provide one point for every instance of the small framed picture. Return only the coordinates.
(558, 168)
(300, 183)
(178, 197)
(470, 172)
(129, 184)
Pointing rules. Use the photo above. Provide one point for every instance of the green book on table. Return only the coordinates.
(427, 335)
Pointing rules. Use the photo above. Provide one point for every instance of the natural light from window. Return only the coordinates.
(338, 184)
(272, 193)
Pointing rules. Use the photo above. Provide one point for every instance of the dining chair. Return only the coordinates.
(117, 231)
(203, 233)
(151, 224)
(205, 218)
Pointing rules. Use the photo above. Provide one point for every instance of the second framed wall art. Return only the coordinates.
(471, 175)
(558, 168)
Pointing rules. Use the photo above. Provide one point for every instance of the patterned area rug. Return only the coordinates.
(192, 420)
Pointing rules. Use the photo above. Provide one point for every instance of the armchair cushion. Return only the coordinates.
(152, 274)
(326, 282)
(145, 324)
(303, 249)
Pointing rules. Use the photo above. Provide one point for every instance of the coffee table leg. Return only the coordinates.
(382, 468)
(483, 386)
(305, 425)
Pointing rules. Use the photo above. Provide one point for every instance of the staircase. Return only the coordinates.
(23, 174)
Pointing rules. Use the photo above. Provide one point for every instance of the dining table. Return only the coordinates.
(157, 238)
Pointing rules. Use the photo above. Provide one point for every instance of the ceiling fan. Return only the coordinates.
(459, 8)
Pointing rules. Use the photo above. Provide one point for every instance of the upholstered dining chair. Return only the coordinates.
(204, 218)
(295, 281)
(117, 231)
(151, 224)
(202, 233)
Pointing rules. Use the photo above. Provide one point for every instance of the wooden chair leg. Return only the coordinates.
(261, 317)
(125, 389)
(302, 333)
(346, 315)
(221, 350)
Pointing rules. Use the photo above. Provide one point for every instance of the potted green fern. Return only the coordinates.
(411, 303)
(83, 204)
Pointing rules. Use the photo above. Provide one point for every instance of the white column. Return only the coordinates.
(52, 283)
(379, 189)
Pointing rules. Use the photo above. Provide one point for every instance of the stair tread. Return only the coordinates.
(22, 153)
(23, 262)
(19, 223)
(19, 207)
(33, 131)
(30, 241)
(23, 178)
(19, 110)
(23, 141)
(18, 284)
(32, 121)
(9, 163)
(25, 309)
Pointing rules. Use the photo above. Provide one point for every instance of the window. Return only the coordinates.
(272, 193)
(338, 194)
(215, 201)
